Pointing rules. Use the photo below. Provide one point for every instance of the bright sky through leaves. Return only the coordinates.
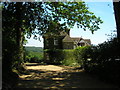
(101, 9)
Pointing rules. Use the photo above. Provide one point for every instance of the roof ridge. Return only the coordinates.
(76, 37)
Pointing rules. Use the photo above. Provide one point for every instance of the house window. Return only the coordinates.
(55, 41)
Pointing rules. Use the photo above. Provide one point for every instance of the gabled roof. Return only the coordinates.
(82, 41)
(67, 38)
(76, 39)
(87, 40)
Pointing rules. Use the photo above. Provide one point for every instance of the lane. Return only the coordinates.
(59, 77)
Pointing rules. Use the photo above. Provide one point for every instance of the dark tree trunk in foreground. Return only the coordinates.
(117, 17)
(19, 33)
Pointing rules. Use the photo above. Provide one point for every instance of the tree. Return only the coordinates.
(117, 17)
(20, 18)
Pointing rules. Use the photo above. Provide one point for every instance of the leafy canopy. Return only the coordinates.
(48, 16)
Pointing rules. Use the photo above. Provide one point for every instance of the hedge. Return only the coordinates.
(57, 56)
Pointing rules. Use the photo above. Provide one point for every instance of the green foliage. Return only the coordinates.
(104, 60)
(55, 56)
(74, 12)
(82, 54)
(33, 54)
(64, 57)
(69, 58)
(45, 16)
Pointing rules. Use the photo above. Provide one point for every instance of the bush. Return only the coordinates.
(55, 56)
(105, 60)
(82, 54)
(64, 57)
(69, 58)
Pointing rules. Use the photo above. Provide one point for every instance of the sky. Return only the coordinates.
(102, 9)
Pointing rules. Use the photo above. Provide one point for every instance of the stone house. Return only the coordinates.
(64, 41)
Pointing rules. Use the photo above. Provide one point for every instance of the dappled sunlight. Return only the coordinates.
(58, 77)
(25, 76)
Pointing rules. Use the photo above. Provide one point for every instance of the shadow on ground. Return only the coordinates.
(48, 77)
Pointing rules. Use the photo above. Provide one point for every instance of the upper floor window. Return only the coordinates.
(55, 41)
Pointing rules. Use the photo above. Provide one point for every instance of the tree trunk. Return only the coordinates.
(19, 34)
(117, 17)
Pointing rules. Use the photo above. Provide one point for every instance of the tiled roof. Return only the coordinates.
(87, 40)
(67, 38)
(76, 39)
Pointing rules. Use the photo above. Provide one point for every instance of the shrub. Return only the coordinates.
(69, 58)
(105, 60)
(82, 54)
(57, 56)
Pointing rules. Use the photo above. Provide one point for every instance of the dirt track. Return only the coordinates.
(58, 77)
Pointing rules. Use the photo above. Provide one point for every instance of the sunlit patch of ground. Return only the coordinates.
(46, 68)
(58, 77)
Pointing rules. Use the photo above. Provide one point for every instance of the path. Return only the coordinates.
(51, 76)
